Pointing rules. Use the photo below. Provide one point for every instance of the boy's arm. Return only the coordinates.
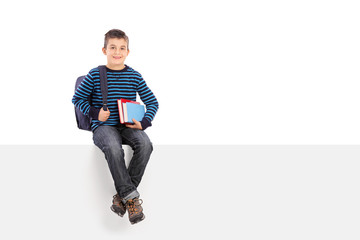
(150, 101)
(80, 98)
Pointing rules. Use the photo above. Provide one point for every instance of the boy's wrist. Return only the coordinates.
(145, 123)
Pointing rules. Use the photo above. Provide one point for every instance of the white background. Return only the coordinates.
(224, 72)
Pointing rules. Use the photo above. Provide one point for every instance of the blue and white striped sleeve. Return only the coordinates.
(150, 101)
(81, 96)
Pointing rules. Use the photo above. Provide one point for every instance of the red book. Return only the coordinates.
(121, 109)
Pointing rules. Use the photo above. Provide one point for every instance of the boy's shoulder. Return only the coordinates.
(133, 71)
(95, 69)
(93, 72)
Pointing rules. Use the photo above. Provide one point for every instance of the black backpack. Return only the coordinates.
(84, 121)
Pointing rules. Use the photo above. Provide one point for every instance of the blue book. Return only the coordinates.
(133, 110)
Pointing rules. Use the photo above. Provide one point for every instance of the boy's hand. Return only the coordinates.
(136, 125)
(104, 115)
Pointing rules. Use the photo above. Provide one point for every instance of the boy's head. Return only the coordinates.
(116, 49)
(115, 33)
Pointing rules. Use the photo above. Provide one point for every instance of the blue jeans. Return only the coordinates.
(110, 139)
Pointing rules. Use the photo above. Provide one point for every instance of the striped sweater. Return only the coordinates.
(123, 83)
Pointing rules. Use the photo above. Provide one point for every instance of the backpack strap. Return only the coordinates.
(103, 85)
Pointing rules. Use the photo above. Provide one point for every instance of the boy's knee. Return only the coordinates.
(145, 144)
(114, 150)
(149, 146)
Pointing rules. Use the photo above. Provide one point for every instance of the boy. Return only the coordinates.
(108, 133)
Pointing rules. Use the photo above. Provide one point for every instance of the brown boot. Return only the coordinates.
(135, 210)
(118, 206)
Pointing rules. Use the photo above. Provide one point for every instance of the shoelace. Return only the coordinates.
(133, 206)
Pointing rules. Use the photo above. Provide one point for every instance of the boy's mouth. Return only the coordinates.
(116, 57)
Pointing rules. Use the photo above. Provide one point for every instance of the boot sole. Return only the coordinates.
(138, 220)
(116, 212)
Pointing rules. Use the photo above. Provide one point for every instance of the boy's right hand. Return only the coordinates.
(104, 115)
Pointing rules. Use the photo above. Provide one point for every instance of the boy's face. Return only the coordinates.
(116, 52)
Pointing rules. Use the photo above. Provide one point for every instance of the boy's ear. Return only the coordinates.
(104, 50)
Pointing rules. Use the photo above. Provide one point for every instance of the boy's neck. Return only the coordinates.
(116, 67)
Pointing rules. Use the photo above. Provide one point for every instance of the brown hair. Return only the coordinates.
(116, 33)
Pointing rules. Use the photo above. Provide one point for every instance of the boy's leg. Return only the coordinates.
(142, 147)
(108, 139)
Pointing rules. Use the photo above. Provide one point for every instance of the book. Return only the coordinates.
(130, 109)
(133, 110)
(121, 109)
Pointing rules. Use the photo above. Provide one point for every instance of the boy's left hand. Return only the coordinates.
(136, 125)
